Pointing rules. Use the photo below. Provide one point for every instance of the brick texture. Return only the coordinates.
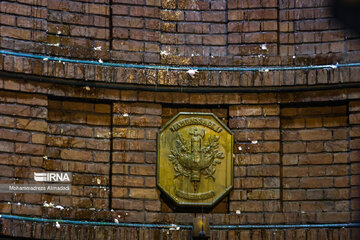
(315, 162)
(179, 33)
(296, 153)
(134, 152)
(294, 163)
(354, 108)
(78, 141)
(23, 123)
(256, 165)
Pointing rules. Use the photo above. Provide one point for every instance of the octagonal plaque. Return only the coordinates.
(195, 159)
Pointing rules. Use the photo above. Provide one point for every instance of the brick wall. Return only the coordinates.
(354, 157)
(296, 159)
(206, 32)
(134, 156)
(78, 141)
(23, 145)
(296, 152)
(315, 162)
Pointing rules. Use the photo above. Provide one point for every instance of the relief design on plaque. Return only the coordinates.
(198, 156)
(195, 159)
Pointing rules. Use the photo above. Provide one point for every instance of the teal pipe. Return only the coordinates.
(160, 67)
(77, 222)
(149, 225)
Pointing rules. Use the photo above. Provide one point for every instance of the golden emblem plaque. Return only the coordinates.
(195, 159)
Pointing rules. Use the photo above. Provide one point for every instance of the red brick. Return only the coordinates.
(336, 146)
(6, 121)
(313, 135)
(264, 147)
(244, 110)
(295, 147)
(121, 33)
(121, 120)
(314, 147)
(31, 210)
(119, 192)
(128, 181)
(237, 123)
(337, 170)
(36, 125)
(57, 5)
(144, 35)
(14, 135)
(322, 158)
(251, 182)
(128, 204)
(130, 22)
(120, 169)
(295, 171)
(143, 193)
(333, 217)
(287, 112)
(97, 9)
(128, 133)
(249, 206)
(138, 108)
(294, 194)
(144, 12)
(171, 15)
(32, 149)
(335, 121)
(119, 9)
(76, 155)
(244, 27)
(128, 45)
(212, 16)
(316, 182)
(15, 110)
(128, 157)
(271, 110)
(214, 40)
(89, 32)
(263, 171)
(355, 118)
(15, 33)
(263, 123)
(97, 119)
(293, 123)
(264, 194)
(142, 170)
(336, 194)
(152, 206)
(145, 121)
(148, 145)
(17, 9)
(6, 171)
(355, 144)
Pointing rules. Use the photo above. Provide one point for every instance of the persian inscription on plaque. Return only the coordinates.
(195, 159)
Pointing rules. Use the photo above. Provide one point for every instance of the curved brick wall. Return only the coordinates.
(180, 32)
(296, 126)
(187, 33)
(303, 168)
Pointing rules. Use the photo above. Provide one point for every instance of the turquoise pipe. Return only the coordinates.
(149, 225)
(160, 67)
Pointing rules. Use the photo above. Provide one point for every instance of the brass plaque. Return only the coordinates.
(195, 159)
